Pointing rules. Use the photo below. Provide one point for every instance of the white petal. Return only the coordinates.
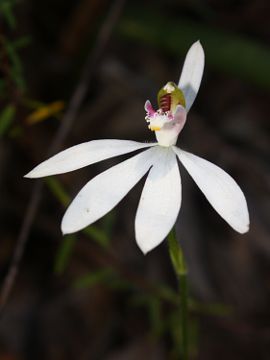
(219, 188)
(180, 117)
(160, 202)
(84, 154)
(192, 73)
(104, 192)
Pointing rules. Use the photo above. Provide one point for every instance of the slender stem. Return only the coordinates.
(178, 262)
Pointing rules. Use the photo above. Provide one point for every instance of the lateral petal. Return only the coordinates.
(84, 154)
(160, 201)
(104, 192)
(219, 188)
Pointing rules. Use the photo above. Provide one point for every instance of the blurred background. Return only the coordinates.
(73, 71)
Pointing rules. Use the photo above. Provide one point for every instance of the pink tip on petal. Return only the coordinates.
(149, 108)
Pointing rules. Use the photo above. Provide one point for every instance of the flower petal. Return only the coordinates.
(104, 192)
(219, 188)
(192, 73)
(160, 201)
(85, 154)
(180, 117)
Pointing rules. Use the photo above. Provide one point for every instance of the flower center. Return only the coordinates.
(169, 96)
(169, 119)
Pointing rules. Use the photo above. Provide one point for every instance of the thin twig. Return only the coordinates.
(66, 124)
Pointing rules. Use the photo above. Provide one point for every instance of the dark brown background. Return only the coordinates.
(47, 316)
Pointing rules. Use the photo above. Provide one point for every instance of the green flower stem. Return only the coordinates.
(178, 262)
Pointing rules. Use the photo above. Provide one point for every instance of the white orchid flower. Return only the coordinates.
(161, 196)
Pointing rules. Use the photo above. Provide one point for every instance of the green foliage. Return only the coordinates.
(176, 254)
(101, 276)
(153, 307)
(58, 190)
(64, 253)
(6, 118)
(6, 9)
(97, 234)
(213, 309)
(16, 68)
(10, 44)
(155, 316)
